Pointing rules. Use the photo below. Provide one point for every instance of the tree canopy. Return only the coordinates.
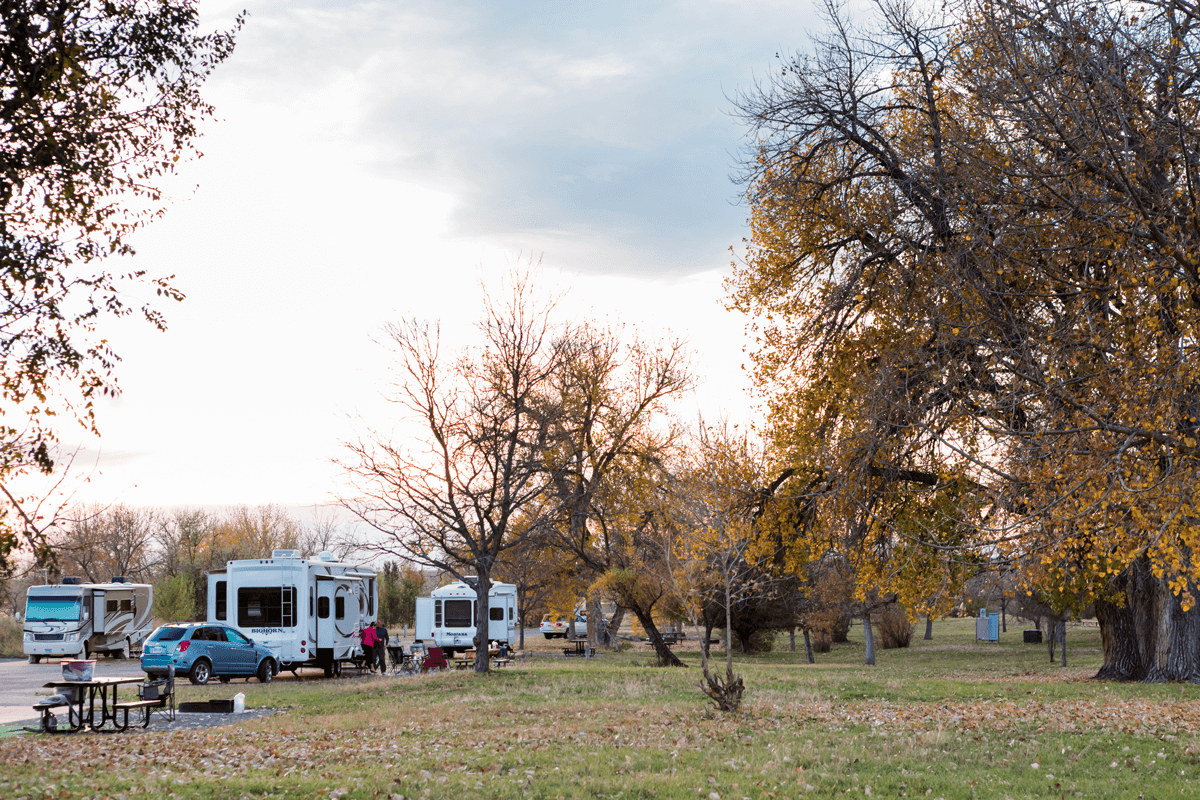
(99, 102)
(974, 273)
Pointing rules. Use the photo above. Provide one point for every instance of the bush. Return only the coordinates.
(175, 599)
(12, 638)
(822, 641)
(894, 628)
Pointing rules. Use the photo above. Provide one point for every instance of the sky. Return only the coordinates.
(376, 160)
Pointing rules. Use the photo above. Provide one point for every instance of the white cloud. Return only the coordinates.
(368, 158)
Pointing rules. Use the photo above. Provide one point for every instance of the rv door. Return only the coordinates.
(326, 590)
(98, 619)
(423, 630)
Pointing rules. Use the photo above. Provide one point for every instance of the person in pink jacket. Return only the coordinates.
(368, 645)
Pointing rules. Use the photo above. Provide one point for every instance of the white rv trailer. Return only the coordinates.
(308, 611)
(76, 619)
(446, 618)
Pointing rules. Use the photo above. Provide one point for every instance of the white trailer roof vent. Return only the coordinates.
(326, 556)
(285, 554)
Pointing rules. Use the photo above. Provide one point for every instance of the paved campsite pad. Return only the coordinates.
(183, 722)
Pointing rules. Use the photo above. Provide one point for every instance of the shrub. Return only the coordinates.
(175, 599)
(894, 628)
(11, 638)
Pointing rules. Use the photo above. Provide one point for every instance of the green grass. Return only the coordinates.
(946, 718)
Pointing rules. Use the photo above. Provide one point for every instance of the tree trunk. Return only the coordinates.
(792, 639)
(599, 636)
(1176, 647)
(482, 588)
(1123, 660)
(928, 628)
(1004, 614)
(869, 637)
(808, 651)
(1051, 636)
(521, 619)
(614, 624)
(1062, 639)
(665, 657)
(1150, 637)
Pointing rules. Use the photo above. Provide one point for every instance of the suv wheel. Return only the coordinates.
(266, 671)
(201, 672)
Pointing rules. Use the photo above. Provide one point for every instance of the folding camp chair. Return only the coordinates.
(436, 660)
(153, 695)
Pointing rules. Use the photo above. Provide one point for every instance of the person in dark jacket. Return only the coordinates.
(381, 643)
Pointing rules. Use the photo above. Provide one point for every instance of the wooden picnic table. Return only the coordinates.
(79, 692)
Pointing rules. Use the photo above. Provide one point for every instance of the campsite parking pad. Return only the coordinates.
(183, 722)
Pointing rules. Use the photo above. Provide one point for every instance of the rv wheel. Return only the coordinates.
(35, 659)
(125, 648)
(201, 672)
(224, 679)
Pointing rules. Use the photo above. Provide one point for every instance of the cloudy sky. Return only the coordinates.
(373, 160)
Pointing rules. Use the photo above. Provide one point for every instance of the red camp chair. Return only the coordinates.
(436, 659)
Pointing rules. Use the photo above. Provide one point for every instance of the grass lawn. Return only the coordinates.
(946, 718)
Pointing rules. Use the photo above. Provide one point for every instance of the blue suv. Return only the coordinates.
(203, 650)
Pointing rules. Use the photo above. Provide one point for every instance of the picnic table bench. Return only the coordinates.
(575, 648)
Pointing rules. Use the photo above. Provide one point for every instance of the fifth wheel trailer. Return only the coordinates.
(446, 618)
(308, 611)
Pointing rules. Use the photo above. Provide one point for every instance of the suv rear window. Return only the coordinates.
(168, 634)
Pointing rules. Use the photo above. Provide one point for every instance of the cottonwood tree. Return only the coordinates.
(99, 102)
(974, 261)
(637, 525)
(609, 409)
(186, 542)
(100, 542)
(448, 496)
(547, 577)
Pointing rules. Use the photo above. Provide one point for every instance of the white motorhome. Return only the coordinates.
(446, 618)
(74, 619)
(308, 611)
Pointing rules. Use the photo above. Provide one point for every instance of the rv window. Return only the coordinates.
(339, 607)
(52, 608)
(310, 597)
(496, 614)
(371, 597)
(458, 614)
(127, 605)
(437, 613)
(266, 606)
(323, 607)
(221, 599)
(510, 613)
(110, 607)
